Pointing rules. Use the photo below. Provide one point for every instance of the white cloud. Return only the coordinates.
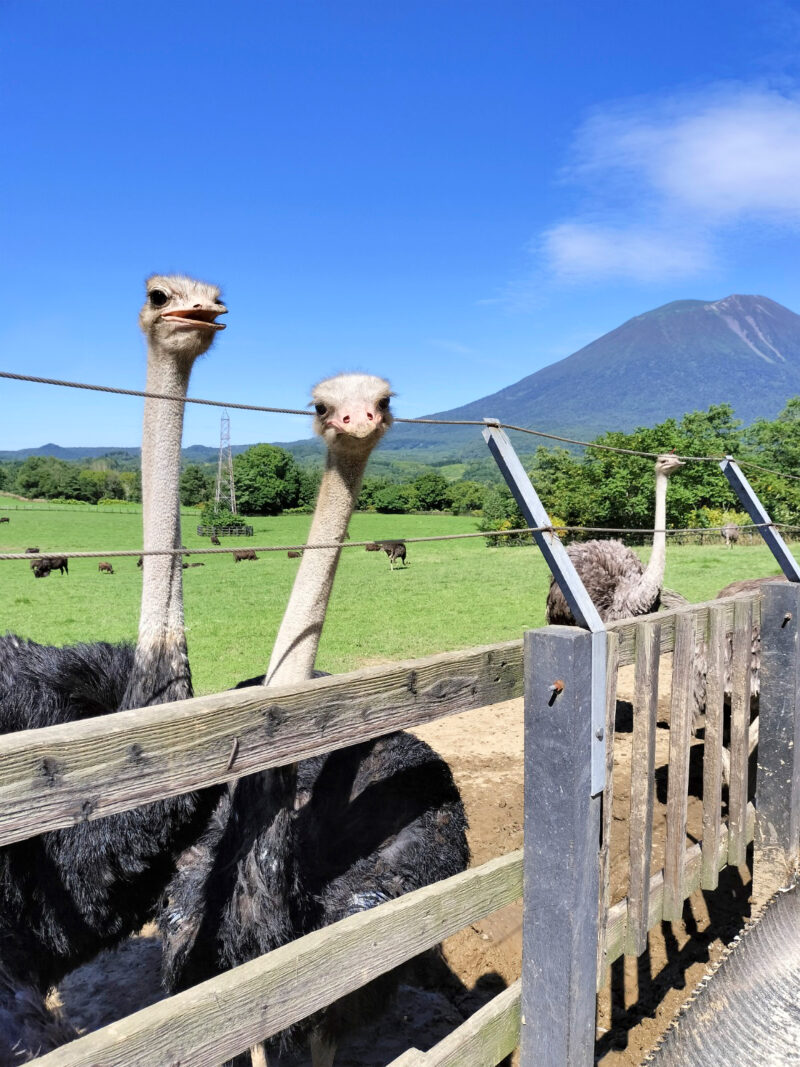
(579, 250)
(660, 180)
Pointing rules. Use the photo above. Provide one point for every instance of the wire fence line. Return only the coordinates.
(481, 423)
(117, 553)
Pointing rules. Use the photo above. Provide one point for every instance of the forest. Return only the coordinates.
(588, 486)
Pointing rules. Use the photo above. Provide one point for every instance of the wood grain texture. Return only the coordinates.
(712, 748)
(612, 665)
(680, 737)
(486, 1038)
(219, 1018)
(65, 774)
(740, 731)
(643, 758)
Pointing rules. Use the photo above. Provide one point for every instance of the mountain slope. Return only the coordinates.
(743, 350)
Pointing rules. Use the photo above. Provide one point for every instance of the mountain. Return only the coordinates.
(743, 350)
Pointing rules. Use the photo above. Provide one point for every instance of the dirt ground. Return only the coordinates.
(484, 748)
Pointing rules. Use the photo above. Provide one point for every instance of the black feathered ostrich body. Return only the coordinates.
(69, 893)
(300, 847)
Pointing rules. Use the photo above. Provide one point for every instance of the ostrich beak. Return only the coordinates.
(358, 425)
(197, 317)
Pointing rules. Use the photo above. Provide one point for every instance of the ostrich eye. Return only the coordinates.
(320, 409)
(383, 403)
(158, 298)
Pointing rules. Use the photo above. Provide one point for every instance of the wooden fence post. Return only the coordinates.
(562, 840)
(775, 850)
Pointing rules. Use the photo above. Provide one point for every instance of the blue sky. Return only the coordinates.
(452, 193)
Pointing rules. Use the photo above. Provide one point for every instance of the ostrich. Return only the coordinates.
(730, 531)
(70, 892)
(297, 848)
(613, 574)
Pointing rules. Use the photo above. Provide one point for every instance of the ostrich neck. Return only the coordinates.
(643, 598)
(298, 638)
(161, 668)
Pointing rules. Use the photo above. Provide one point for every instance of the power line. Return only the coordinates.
(111, 553)
(421, 422)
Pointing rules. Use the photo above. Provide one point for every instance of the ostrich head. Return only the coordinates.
(179, 313)
(352, 412)
(667, 464)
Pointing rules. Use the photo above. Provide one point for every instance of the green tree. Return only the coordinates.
(432, 491)
(466, 497)
(267, 480)
(396, 499)
(195, 485)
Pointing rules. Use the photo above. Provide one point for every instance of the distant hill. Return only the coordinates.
(743, 350)
(684, 356)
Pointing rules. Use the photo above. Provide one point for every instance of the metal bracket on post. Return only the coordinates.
(755, 509)
(563, 569)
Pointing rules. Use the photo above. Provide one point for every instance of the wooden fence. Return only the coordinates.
(572, 929)
(224, 531)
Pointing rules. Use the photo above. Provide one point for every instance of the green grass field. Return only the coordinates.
(454, 594)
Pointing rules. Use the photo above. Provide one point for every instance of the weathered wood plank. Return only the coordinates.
(226, 1015)
(712, 747)
(775, 853)
(643, 758)
(740, 730)
(486, 1038)
(617, 916)
(612, 665)
(93, 768)
(626, 628)
(680, 738)
(85, 770)
(562, 836)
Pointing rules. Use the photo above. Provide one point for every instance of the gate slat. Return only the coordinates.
(712, 747)
(740, 730)
(680, 736)
(612, 666)
(645, 706)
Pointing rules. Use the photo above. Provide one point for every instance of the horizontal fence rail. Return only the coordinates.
(225, 1015)
(59, 775)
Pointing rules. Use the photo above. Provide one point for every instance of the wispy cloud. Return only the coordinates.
(661, 182)
(453, 346)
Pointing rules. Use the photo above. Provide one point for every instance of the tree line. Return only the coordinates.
(589, 487)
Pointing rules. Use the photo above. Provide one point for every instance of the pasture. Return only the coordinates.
(453, 594)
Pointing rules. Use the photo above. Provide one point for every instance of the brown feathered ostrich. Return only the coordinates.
(615, 579)
(299, 847)
(69, 893)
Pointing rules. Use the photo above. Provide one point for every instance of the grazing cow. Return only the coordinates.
(105, 568)
(294, 555)
(214, 539)
(373, 546)
(42, 567)
(243, 553)
(33, 550)
(4, 518)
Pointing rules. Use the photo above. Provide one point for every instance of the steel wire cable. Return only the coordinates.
(362, 544)
(36, 379)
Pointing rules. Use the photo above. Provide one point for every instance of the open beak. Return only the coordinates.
(197, 317)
